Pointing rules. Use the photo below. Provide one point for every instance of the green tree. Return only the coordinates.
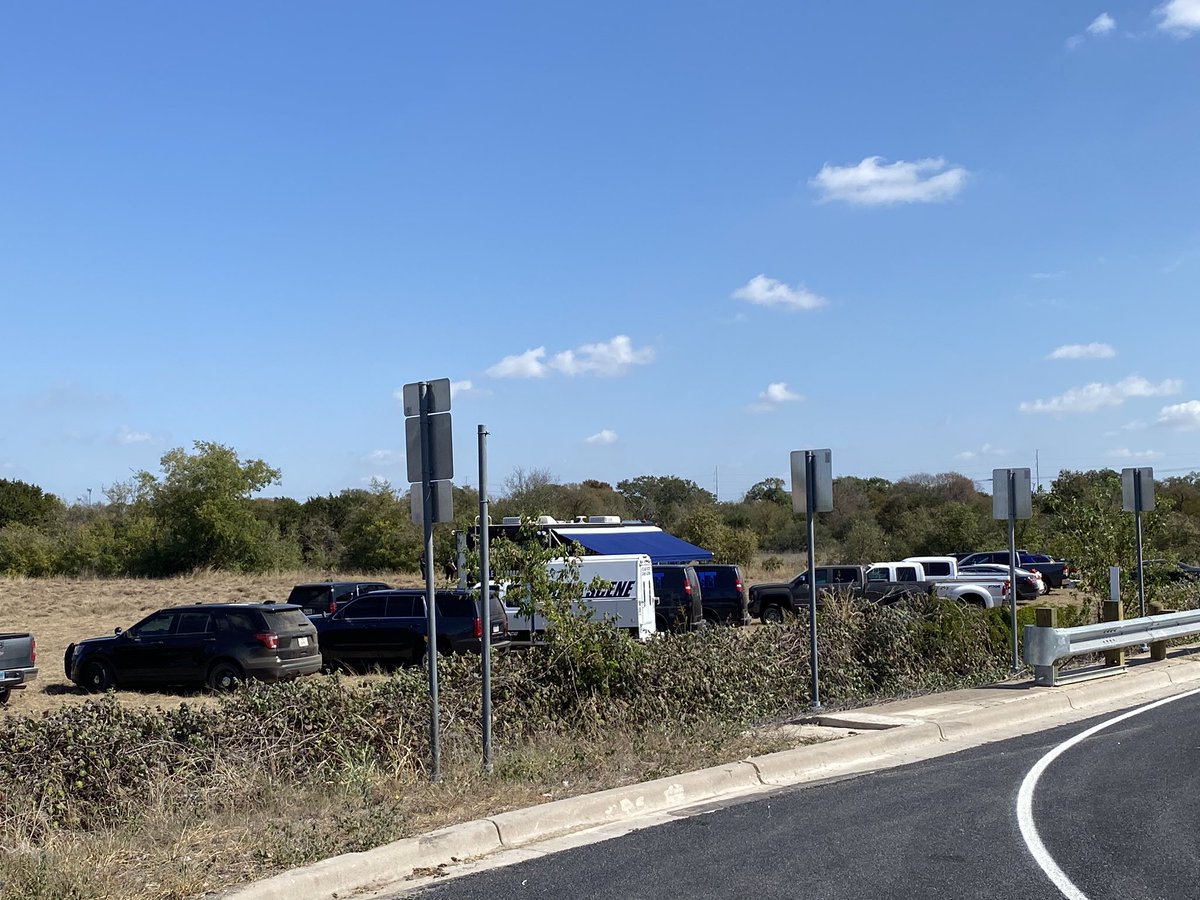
(201, 507)
(27, 504)
(663, 499)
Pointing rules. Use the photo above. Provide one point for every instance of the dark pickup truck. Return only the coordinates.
(772, 602)
(18, 662)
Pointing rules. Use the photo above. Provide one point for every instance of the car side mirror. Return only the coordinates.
(117, 631)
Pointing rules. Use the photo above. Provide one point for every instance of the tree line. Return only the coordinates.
(201, 511)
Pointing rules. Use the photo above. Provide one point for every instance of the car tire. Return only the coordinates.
(224, 676)
(96, 677)
(772, 614)
(4, 695)
(711, 619)
(976, 601)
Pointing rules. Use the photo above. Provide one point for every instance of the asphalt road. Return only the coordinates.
(1117, 812)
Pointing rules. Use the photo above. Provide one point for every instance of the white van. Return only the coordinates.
(627, 600)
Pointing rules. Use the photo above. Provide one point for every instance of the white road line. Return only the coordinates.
(1025, 797)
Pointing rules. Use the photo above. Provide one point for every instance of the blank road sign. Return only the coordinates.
(441, 446)
(1022, 483)
(822, 480)
(1137, 489)
(442, 502)
(438, 394)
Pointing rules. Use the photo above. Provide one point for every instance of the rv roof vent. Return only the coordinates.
(580, 520)
(547, 520)
(512, 520)
(604, 520)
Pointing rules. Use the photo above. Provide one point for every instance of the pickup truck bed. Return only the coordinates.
(18, 662)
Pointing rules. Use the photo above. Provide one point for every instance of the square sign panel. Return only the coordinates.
(441, 446)
(1022, 494)
(438, 394)
(822, 481)
(1137, 489)
(442, 501)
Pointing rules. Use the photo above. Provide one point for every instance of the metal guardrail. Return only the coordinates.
(1047, 648)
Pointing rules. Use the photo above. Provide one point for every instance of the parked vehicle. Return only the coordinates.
(678, 601)
(984, 592)
(1169, 571)
(1030, 584)
(18, 662)
(391, 628)
(617, 588)
(214, 644)
(722, 594)
(1053, 571)
(323, 597)
(771, 602)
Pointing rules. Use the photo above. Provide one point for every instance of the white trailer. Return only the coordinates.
(625, 596)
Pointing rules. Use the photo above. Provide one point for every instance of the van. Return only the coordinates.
(677, 598)
(625, 598)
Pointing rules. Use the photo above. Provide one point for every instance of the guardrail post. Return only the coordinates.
(1110, 611)
(1158, 649)
(1046, 617)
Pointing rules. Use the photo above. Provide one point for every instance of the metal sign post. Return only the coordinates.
(814, 470)
(431, 463)
(1137, 495)
(485, 590)
(1012, 499)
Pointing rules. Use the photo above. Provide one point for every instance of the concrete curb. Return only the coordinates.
(351, 872)
(960, 719)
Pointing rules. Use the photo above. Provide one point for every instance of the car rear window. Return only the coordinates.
(309, 595)
(282, 619)
(718, 583)
(456, 606)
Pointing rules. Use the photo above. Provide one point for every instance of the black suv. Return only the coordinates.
(388, 628)
(677, 598)
(722, 594)
(326, 596)
(214, 644)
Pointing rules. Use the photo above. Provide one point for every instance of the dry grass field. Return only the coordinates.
(59, 611)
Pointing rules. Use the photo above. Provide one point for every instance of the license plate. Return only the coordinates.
(303, 642)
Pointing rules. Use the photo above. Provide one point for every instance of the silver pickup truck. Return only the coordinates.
(18, 662)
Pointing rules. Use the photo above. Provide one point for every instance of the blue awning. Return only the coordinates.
(658, 545)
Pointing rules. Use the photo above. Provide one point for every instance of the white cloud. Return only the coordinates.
(459, 387)
(1048, 274)
(605, 436)
(1180, 16)
(607, 359)
(1074, 41)
(1083, 351)
(1184, 416)
(1126, 453)
(985, 450)
(385, 457)
(1096, 395)
(524, 365)
(1102, 24)
(874, 183)
(777, 392)
(126, 435)
(763, 291)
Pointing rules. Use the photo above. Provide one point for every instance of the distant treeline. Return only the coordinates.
(200, 512)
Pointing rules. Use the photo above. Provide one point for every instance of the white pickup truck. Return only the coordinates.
(942, 573)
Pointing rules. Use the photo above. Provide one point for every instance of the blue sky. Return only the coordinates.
(640, 238)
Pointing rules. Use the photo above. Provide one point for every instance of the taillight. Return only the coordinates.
(1007, 585)
(687, 588)
(478, 627)
(268, 639)
(738, 582)
(33, 650)
(332, 607)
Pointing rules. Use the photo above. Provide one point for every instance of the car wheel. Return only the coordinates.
(4, 694)
(772, 614)
(97, 677)
(711, 619)
(975, 600)
(225, 676)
